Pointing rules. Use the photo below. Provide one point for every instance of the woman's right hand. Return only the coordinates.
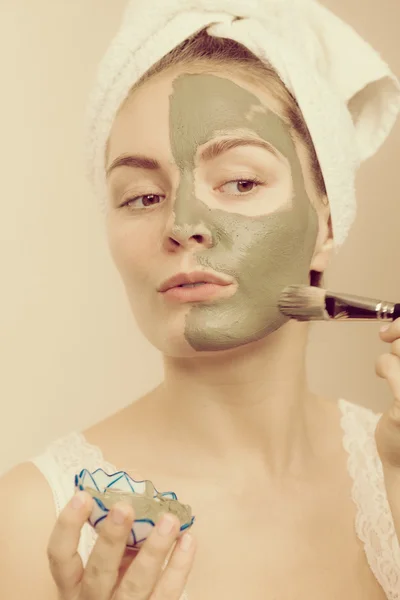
(114, 572)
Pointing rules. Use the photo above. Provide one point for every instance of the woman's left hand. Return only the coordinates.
(387, 433)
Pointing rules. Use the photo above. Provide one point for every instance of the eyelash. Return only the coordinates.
(255, 180)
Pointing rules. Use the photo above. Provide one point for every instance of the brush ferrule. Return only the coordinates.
(341, 307)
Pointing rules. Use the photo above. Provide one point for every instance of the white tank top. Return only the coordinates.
(373, 524)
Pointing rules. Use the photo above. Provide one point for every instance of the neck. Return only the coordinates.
(247, 408)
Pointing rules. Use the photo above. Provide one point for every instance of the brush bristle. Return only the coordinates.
(304, 303)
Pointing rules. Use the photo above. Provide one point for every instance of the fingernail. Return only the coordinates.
(78, 500)
(165, 525)
(186, 542)
(384, 328)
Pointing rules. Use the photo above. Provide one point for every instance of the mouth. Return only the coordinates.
(199, 292)
(193, 280)
(191, 285)
(198, 286)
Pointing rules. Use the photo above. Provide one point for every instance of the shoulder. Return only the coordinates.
(358, 425)
(27, 517)
(23, 479)
(374, 521)
(24, 492)
(353, 415)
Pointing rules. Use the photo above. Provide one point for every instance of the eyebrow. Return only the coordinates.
(210, 152)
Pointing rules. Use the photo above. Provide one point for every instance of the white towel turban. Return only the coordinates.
(321, 59)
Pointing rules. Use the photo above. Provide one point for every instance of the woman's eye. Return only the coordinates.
(243, 186)
(147, 200)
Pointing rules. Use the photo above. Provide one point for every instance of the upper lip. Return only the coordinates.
(193, 277)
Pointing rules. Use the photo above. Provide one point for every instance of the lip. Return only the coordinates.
(194, 277)
(205, 292)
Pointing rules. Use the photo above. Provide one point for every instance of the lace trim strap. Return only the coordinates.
(374, 522)
(46, 465)
(62, 459)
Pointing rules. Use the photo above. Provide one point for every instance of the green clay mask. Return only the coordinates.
(263, 252)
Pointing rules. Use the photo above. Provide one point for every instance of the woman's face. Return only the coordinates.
(241, 212)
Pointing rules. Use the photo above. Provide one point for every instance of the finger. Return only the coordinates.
(395, 347)
(392, 332)
(388, 367)
(62, 551)
(128, 557)
(141, 577)
(102, 569)
(173, 581)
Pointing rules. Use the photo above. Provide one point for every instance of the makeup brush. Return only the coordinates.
(305, 303)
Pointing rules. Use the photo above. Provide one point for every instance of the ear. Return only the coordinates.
(324, 244)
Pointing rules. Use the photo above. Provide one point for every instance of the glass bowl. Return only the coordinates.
(149, 504)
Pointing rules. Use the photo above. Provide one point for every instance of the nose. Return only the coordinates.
(188, 236)
(188, 225)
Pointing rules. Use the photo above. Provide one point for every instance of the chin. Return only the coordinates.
(180, 338)
(168, 341)
(178, 346)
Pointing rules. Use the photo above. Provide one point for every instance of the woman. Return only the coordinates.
(216, 202)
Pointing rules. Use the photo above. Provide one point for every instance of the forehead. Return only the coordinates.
(188, 103)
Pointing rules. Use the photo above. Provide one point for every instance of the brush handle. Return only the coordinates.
(344, 307)
(396, 312)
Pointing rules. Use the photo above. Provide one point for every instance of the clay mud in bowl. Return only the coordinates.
(149, 504)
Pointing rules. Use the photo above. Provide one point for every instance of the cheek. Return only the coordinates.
(133, 248)
(271, 249)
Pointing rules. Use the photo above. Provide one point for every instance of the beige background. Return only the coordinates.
(70, 351)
